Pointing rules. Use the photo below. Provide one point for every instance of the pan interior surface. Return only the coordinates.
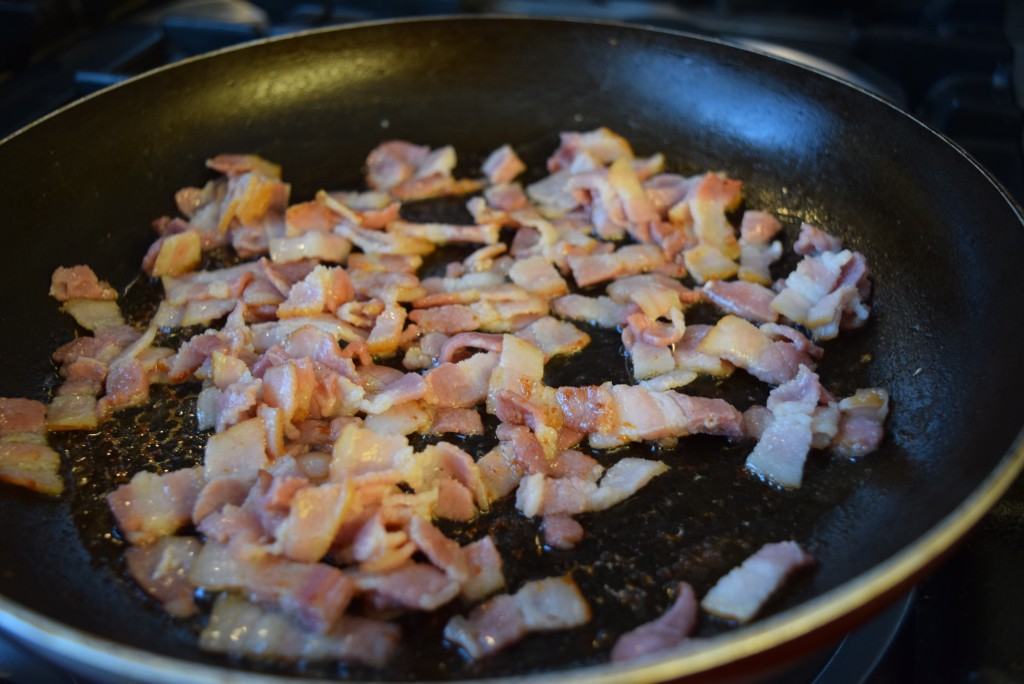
(83, 187)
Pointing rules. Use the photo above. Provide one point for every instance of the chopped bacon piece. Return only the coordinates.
(812, 241)
(502, 165)
(240, 451)
(193, 353)
(652, 331)
(316, 594)
(454, 501)
(462, 384)
(448, 319)
(324, 289)
(444, 233)
(455, 344)
(161, 569)
(266, 335)
(757, 253)
(83, 376)
(310, 468)
(367, 209)
(641, 415)
(600, 311)
(105, 346)
(756, 261)
(290, 387)
(543, 605)
(238, 164)
(377, 263)
(759, 352)
(706, 262)
(417, 586)
(30, 464)
(505, 197)
(755, 421)
(443, 552)
(637, 208)
(551, 604)
(188, 200)
(72, 412)
(151, 506)
(590, 269)
(758, 227)
(500, 473)
(309, 217)
(742, 593)
(649, 360)
(825, 293)
(522, 447)
(238, 401)
(561, 531)
(240, 628)
(377, 549)
(387, 330)
(640, 288)
(622, 480)
(22, 415)
(649, 166)
(538, 276)
(554, 337)
(782, 449)
(489, 628)
(251, 198)
(79, 282)
(393, 162)
(519, 372)
(463, 421)
(226, 283)
(315, 515)
(408, 387)
(177, 254)
(861, 423)
(472, 281)
(375, 241)
(96, 315)
(359, 451)
(545, 496)
(401, 419)
(688, 356)
(602, 145)
(424, 352)
(325, 247)
(204, 311)
(387, 286)
(713, 195)
(744, 299)
(485, 569)
(553, 194)
(218, 493)
(668, 630)
(665, 190)
(588, 409)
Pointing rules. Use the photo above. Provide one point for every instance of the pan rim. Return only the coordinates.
(72, 645)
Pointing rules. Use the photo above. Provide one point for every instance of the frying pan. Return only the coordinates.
(943, 240)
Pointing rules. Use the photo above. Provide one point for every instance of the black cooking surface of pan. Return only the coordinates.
(942, 241)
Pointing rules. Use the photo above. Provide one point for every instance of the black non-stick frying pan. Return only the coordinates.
(943, 240)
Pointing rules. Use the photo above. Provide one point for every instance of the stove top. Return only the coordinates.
(958, 65)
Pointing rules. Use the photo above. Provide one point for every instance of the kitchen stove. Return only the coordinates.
(958, 65)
